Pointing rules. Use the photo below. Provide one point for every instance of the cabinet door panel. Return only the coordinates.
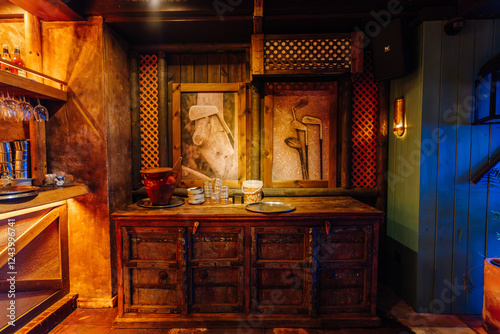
(281, 287)
(216, 289)
(343, 244)
(154, 290)
(343, 290)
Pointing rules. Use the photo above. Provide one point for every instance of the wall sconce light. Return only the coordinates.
(399, 121)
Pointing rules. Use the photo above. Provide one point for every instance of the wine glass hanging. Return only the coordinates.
(18, 108)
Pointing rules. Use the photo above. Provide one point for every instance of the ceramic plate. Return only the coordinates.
(16, 190)
(174, 201)
(270, 207)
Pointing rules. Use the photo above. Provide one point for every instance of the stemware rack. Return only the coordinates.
(37, 86)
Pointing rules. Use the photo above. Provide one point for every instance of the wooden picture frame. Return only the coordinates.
(315, 107)
(209, 128)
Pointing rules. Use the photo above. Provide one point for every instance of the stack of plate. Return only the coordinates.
(195, 195)
(14, 193)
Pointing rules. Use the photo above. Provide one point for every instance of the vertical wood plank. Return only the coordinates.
(483, 50)
(135, 119)
(187, 68)
(345, 128)
(201, 68)
(267, 133)
(174, 75)
(176, 121)
(492, 244)
(224, 68)
(162, 110)
(257, 62)
(235, 67)
(242, 134)
(343, 109)
(446, 168)
(214, 61)
(432, 32)
(33, 42)
(255, 131)
(462, 186)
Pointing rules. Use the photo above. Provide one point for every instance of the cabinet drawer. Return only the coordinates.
(153, 290)
(342, 290)
(278, 244)
(216, 289)
(343, 244)
(209, 244)
(284, 290)
(155, 244)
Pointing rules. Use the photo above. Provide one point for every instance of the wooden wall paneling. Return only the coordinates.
(224, 68)
(445, 227)
(236, 67)
(382, 148)
(428, 163)
(187, 68)
(33, 45)
(214, 67)
(163, 142)
(201, 68)
(243, 147)
(483, 50)
(176, 120)
(135, 119)
(492, 244)
(267, 138)
(463, 170)
(174, 75)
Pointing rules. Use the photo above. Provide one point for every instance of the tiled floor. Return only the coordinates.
(397, 318)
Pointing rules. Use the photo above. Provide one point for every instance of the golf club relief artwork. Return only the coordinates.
(209, 131)
(301, 126)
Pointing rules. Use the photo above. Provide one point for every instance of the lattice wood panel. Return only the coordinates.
(148, 88)
(307, 54)
(364, 128)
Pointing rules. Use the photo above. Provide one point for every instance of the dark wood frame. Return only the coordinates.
(240, 116)
(267, 157)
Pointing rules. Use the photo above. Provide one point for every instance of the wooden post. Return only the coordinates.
(33, 61)
(135, 119)
(357, 50)
(258, 14)
(257, 54)
(255, 126)
(345, 101)
(162, 111)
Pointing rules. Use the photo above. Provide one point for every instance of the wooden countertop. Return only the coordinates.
(46, 195)
(335, 206)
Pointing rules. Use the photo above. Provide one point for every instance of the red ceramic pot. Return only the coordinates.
(160, 184)
(491, 300)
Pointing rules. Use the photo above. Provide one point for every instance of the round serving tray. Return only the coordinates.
(23, 195)
(174, 201)
(16, 190)
(270, 207)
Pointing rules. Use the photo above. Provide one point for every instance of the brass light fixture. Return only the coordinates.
(399, 120)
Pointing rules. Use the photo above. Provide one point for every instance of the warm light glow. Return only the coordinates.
(399, 121)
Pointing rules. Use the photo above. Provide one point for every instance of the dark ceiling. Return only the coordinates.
(161, 22)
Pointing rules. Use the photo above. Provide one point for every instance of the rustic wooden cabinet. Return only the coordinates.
(222, 266)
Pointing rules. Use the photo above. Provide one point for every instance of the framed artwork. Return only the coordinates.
(300, 134)
(209, 132)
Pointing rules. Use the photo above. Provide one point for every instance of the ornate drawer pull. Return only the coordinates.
(163, 278)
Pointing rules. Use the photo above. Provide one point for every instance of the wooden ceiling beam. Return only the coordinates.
(153, 19)
(48, 10)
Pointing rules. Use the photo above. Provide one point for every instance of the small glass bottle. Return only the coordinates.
(18, 61)
(5, 56)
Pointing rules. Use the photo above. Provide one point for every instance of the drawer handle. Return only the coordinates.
(289, 275)
(328, 226)
(163, 278)
(195, 227)
(203, 274)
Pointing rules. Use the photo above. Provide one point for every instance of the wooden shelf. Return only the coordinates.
(12, 83)
(46, 196)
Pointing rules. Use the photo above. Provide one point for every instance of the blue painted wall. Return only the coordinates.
(440, 222)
